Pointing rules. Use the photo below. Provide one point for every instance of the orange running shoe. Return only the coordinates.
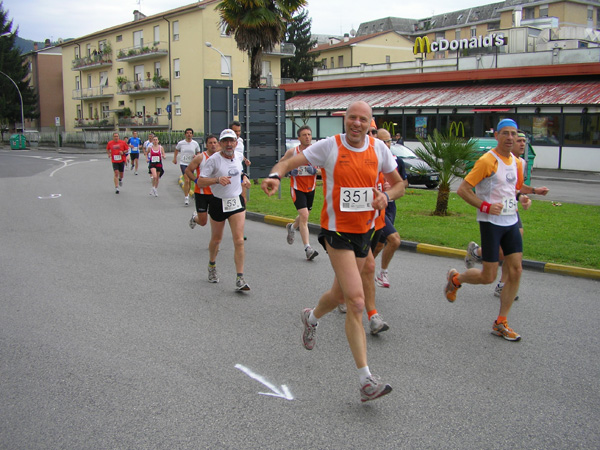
(451, 288)
(502, 329)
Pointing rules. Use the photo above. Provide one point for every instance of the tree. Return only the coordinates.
(257, 25)
(446, 154)
(14, 65)
(302, 64)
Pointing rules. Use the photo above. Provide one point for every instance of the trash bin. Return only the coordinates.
(18, 142)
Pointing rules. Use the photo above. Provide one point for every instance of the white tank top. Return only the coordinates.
(500, 188)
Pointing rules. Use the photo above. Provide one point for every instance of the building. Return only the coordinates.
(538, 62)
(157, 72)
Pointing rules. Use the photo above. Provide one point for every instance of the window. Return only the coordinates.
(157, 69)
(119, 38)
(78, 112)
(101, 45)
(77, 83)
(176, 30)
(332, 64)
(76, 52)
(177, 101)
(158, 106)
(104, 109)
(324, 63)
(103, 79)
(121, 102)
(89, 83)
(528, 13)
(91, 111)
(341, 61)
(473, 31)
(138, 38)
(156, 34)
(140, 107)
(224, 30)
(120, 71)
(388, 59)
(225, 66)
(543, 10)
(88, 49)
(457, 34)
(176, 68)
(138, 73)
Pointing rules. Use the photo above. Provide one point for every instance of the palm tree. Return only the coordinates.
(257, 25)
(447, 155)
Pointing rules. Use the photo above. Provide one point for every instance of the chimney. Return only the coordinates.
(138, 15)
(517, 16)
(47, 43)
(35, 46)
(346, 37)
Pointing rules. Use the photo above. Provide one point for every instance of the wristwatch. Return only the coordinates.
(274, 175)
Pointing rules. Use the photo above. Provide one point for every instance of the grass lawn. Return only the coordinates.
(567, 234)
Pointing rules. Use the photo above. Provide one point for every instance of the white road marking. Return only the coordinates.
(284, 392)
(50, 196)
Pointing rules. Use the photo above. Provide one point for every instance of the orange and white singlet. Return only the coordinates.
(202, 190)
(349, 175)
(303, 178)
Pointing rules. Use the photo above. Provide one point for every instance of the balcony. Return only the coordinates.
(92, 62)
(94, 124)
(140, 52)
(92, 93)
(284, 49)
(145, 122)
(143, 87)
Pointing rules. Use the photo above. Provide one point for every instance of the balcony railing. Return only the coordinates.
(92, 62)
(94, 92)
(103, 124)
(143, 87)
(154, 50)
(283, 49)
(148, 121)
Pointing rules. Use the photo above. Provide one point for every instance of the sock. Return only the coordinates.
(500, 284)
(383, 271)
(306, 246)
(312, 319)
(363, 374)
(212, 263)
(240, 275)
(371, 313)
(500, 319)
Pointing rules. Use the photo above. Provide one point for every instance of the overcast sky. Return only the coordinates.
(41, 19)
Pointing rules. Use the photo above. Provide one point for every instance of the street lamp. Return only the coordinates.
(20, 98)
(209, 45)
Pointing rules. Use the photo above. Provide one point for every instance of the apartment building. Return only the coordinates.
(154, 72)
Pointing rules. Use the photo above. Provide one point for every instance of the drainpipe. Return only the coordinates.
(170, 80)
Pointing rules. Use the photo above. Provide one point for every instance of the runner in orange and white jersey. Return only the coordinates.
(202, 195)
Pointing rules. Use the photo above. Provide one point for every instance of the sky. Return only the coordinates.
(42, 19)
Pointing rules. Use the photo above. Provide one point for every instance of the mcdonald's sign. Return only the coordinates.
(422, 45)
(456, 126)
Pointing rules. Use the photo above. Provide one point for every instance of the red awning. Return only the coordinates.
(490, 96)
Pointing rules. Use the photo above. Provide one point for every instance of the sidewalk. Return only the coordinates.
(573, 176)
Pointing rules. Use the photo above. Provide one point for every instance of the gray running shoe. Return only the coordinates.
(472, 256)
(291, 233)
(311, 253)
(342, 308)
(498, 291)
(193, 222)
(213, 277)
(116, 190)
(186, 202)
(241, 285)
(120, 182)
(308, 336)
(377, 324)
(373, 388)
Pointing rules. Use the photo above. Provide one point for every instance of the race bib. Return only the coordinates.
(186, 158)
(509, 206)
(356, 199)
(117, 157)
(304, 171)
(155, 159)
(231, 204)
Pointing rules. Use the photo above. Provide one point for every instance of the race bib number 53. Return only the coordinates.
(356, 199)
(231, 204)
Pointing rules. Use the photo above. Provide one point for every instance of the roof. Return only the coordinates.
(542, 93)
(354, 40)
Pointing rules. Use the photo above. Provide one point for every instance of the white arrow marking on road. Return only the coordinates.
(284, 392)
(51, 196)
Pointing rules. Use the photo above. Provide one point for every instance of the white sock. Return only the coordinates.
(306, 246)
(312, 319)
(384, 271)
(363, 374)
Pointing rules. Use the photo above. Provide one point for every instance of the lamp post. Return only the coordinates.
(20, 98)
(209, 45)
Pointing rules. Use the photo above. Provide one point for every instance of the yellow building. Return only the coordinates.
(130, 75)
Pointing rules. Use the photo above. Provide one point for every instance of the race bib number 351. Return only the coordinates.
(356, 199)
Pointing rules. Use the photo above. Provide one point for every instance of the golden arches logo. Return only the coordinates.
(422, 45)
(456, 126)
(390, 126)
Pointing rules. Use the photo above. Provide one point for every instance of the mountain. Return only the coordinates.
(25, 45)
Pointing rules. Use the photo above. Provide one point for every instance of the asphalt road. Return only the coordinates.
(111, 337)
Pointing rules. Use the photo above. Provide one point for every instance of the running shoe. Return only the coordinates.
(377, 324)
(151, 191)
(131, 167)
(241, 285)
(451, 288)
(498, 290)
(373, 388)
(136, 172)
(186, 202)
(116, 190)
(155, 192)
(381, 280)
(120, 182)
(193, 222)
(308, 336)
(213, 277)
(472, 256)
(503, 330)
(342, 308)
(291, 233)
(310, 253)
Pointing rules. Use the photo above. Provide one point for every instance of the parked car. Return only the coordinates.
(484, 144)
(417, 170)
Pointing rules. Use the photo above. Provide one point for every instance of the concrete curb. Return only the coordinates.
(447, 252)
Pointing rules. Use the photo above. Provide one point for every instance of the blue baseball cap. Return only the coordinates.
(506, 123)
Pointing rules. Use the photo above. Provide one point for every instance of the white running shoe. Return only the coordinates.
(472, 256)
(291, 233)
(310, 253)
(213, 276)
(186, 202)
(377, 324)
(193, 221)
(382, 280)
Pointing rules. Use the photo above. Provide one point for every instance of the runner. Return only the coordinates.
(496, 177)
(302, 187)
(134, 150)
(223, 173)
(202, 195)
(350, 164)
(156, 155)
(188, 149)
(117, 152)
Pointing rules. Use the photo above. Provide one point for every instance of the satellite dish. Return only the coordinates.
(352, 32)
(60, 40)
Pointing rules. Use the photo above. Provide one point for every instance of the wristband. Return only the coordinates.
(275, 176)
(388, 197)
(518, 195)
(485, 207)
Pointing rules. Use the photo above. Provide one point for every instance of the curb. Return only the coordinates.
(447, 252)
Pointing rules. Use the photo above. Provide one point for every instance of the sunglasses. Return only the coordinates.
(373, 132)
